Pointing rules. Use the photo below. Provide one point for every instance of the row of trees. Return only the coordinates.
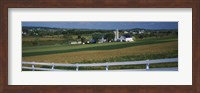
(34, 31)
(95, 36)
(107, 36)
(45, 31)
(157, 34)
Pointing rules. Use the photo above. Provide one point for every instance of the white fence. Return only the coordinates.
(53, 65)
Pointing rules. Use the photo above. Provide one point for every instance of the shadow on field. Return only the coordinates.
(107, 47)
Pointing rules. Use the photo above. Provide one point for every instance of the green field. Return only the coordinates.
(27, 41)
(154, 48)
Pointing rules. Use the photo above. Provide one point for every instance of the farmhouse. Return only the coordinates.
(141, 31)
(125, 32)
(122, 38)
(126, 38)
(102, 40)
(134, 33)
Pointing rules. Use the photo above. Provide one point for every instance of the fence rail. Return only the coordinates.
(53, 65)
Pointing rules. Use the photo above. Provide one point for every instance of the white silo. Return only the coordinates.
(116, 32)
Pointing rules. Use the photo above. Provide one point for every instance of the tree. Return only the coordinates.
(83, 39)
(79, 37)
(35, 42)
(141, 36)
(57, 33)
(96, 36)
(109, 36)
(43, 33)
(68, 37)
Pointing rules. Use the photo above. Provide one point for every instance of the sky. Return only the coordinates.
(105, 25)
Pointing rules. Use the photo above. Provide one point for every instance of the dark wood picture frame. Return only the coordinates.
(5, 4)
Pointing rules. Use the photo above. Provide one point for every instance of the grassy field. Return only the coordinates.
(41, 38)
(154, 48)
(49, 40)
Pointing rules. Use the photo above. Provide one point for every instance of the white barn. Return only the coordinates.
(126, 38)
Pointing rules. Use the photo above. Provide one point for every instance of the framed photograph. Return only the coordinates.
(106, 46)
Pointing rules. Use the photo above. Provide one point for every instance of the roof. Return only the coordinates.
(127, 36)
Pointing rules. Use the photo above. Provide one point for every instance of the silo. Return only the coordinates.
(116, 32)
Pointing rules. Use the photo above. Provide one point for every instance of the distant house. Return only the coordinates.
(102, 40)
(23, 33)
(141, 31)
(92, 41)
(125, 32)
(79, 42)
(126, 38)
(134, 33)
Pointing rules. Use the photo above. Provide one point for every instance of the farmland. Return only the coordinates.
(154, 48)
(75, 43)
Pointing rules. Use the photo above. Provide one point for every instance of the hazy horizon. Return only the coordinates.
(103, 25)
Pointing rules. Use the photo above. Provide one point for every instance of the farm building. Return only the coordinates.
(141, 31)
(102, 40)
(134, 33)
(75, 42)
(122, 38)
(126, 38)
(92, 41)
(116, 33)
